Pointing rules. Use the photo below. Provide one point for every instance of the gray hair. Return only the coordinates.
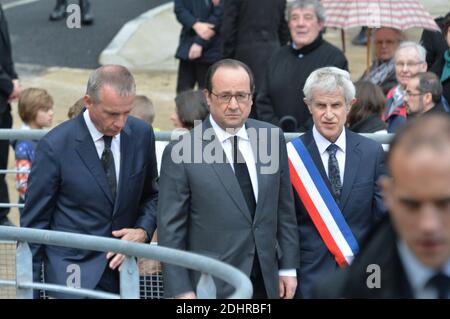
(410, 44)
(308, 4)
(329, 79)
(116, 76)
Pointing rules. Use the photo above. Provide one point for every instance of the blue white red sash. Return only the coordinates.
(320, 204)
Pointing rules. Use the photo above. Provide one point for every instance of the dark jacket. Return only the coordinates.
(252, 30)
(190, 11)
(379, 249)
(7, 71)
(281, 92)
(372, 124)
(437, 68)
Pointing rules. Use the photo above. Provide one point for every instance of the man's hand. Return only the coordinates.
(137, 235)
(204, 30)
(195, 51)
(288, 285)
(16, 90)
(187, 295)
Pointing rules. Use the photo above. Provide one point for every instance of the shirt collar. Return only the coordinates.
(223, 135)
(95, 134)
(322, 143)
(418, 274)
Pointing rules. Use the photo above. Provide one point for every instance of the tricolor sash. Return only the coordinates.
(320, 204)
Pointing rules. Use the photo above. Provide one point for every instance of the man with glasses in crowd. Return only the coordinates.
(410, 59)
(424, 94)
(225, 193)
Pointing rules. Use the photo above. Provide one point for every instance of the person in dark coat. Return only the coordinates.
(365, 113)
(280, 100)
(200, 44)
(9, 90)
(442, 66)
(252, 30)
(434, 41)
(407, 255)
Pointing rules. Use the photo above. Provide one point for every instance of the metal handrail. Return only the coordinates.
(206, 265)
(11, 134)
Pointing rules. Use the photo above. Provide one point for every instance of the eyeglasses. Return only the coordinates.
(225, 98)
(407, 64)
(413, 94)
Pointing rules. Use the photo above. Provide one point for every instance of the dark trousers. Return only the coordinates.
(191, 73)
(5, 123)
(259, 289)
(110, 281)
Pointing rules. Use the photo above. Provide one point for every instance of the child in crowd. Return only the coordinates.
(36, 112)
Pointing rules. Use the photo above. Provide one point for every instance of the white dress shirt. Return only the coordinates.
(245, 147)
(322, 144)
(97, 137)
(418, 274)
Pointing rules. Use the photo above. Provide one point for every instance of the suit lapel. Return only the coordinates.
(88, 154)
(352, 161)
(126, 162)
(225, 173)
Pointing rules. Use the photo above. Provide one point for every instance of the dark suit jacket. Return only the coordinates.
(201, 209)
(7, 71)
(252, 30)
(380, 249)
(68, 191)
(190, 11)
(361, 205)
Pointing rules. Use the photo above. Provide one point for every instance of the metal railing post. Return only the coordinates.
(129, 279)
(24, 270)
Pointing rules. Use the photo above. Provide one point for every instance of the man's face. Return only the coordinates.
(407, 65)
(386, 42)
(110, 113)
(304, 26)
(418, 197)
(413, 97)
(329, 112)
(231, 99)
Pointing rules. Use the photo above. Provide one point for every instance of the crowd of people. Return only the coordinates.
(302, 219)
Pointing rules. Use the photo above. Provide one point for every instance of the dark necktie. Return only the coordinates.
(441, 283)
(333, 172)
(108, 165)
(242, 175)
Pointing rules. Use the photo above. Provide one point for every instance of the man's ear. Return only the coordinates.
(349, 106)
(427, 98)
(88, 101)
(207, 97)
(308, 104)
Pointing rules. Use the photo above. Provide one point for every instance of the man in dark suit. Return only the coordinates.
(232, 200)
(95, 174)
(59, 12)
(9, 90)
(349, 166)
(408, 255)
(252, 30)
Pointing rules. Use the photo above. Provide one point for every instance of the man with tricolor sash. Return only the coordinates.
(334, 173)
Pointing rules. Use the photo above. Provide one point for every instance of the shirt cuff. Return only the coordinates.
(287, 272)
